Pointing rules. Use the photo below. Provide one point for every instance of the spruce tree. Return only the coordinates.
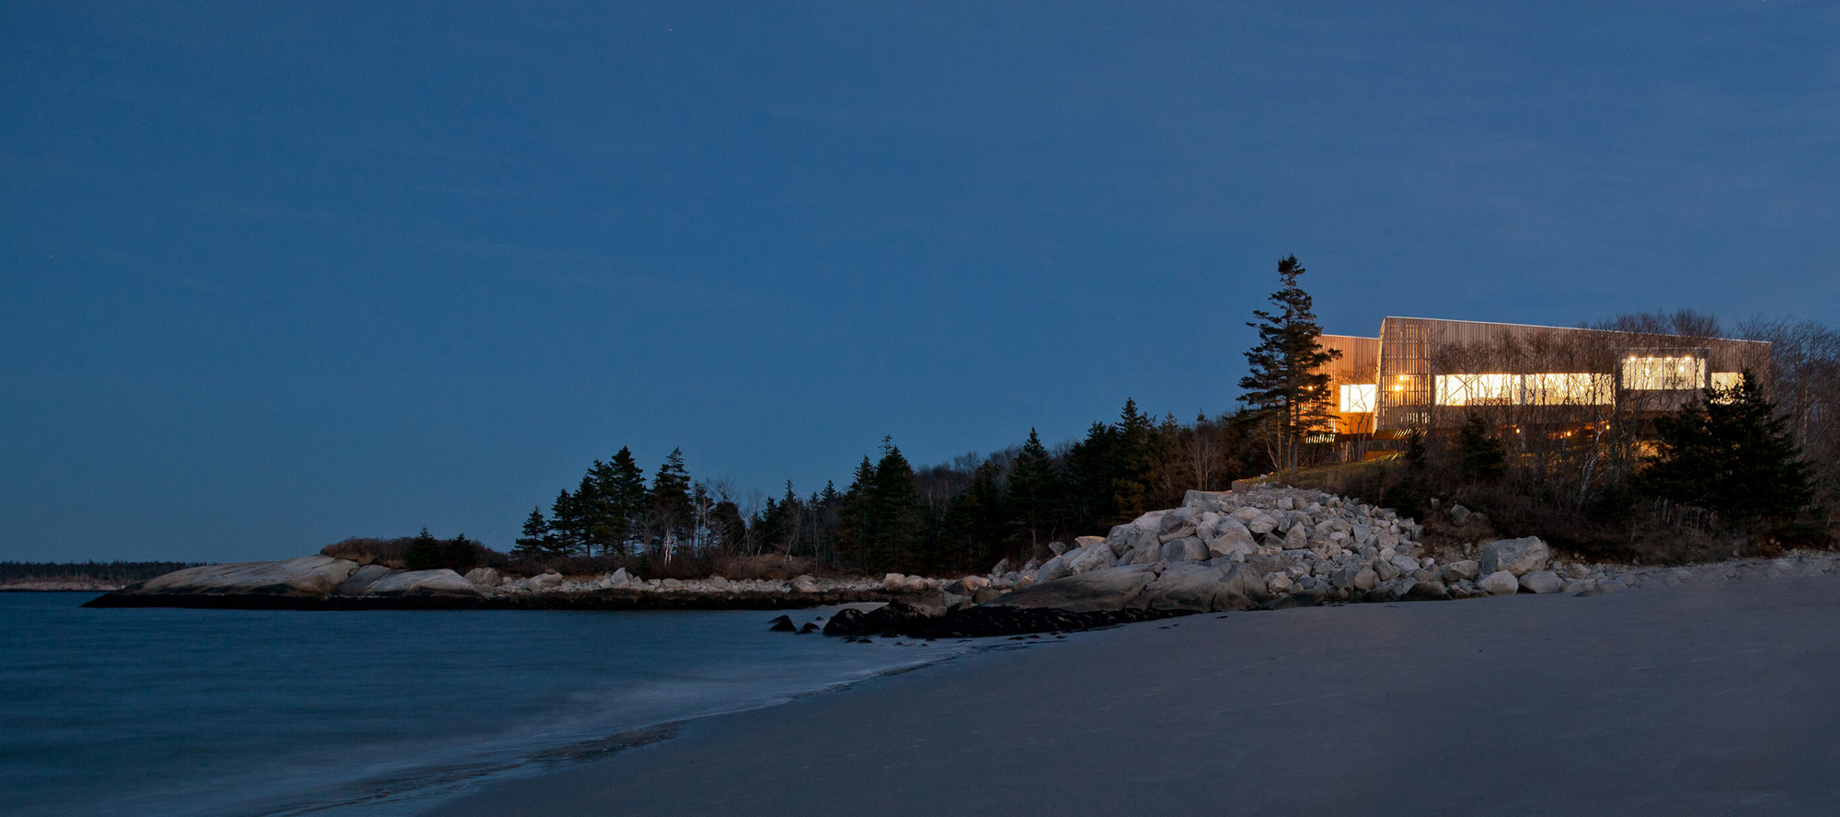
(1732, 455)
(1483, 458)
(460, 554)
(973, 529)
(423, 553)
(857, 525)
(1135, 460)
(628, 498)
(1092, 468)
(567, 523)
(1287, 385)
(601, 521)
(536, 535)
(1031, 491)
(895, 497)
(670, 496)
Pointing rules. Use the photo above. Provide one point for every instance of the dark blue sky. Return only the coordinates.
(270, 277)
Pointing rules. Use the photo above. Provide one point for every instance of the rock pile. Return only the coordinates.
(1275, 546)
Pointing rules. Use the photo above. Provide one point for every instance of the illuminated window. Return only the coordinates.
(1726, 380)
(1657, 373)
(1570, 389)
(1358, 398)
(1471, 389)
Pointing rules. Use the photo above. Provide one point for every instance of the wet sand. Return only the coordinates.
(1720, 697)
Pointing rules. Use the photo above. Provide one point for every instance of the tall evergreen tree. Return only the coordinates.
(601, 520)
(1092, 467)
(1731, 454)
(1134, 463)
(857, 525)
(1032, 490)
(1483, 457)
(1286, 383)
(895, 497)
(671, 505)
(569, 524)
(975, 524)
(424, 552)
(627, 497)
(535, 540)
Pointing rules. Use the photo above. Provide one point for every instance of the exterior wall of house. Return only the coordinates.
(1430, 373)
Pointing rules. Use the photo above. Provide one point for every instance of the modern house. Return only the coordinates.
(1431, 374)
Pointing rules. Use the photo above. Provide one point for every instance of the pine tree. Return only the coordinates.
(1731, 454)
(1483, 457)
(1032, 488)
(536, 535)
(601, 519)
(1092, 467)
(896, 500)
(1131, 494)
(568, 525)
(460, 554)
(628, 499)
(423, 553)
(1286, 383)
(670, 496)
(975, 523)
(857, 525)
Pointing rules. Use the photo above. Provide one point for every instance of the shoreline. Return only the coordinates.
(614, 600)
(1526, 704)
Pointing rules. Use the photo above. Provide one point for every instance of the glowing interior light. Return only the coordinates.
(1575, 389)
(1358, 398)
(1473, 389)
(1660, 373)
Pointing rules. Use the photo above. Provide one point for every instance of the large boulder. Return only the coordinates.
(1542, 581)
(1232, 541)
(486, 576)
(1184, 587)
(1097, 556)
(1189, 549)
(442, 582)
(1109, 589)
(1056, 568)
(360, 582)
(1500, 583)
(311, 576)
(1297, 538)
(1240, 586)
(1465, 570)
(1517, 556)
(1147, 551)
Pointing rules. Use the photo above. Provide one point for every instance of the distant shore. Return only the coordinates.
(60, 586)
(585, 600)
(1699, 693)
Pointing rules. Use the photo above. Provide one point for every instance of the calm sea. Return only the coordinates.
(221, 712)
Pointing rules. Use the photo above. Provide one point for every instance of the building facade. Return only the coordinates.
(1431, 374)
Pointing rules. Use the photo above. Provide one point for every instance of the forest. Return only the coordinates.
(953, 517)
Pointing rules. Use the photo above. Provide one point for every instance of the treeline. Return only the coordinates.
(960, 516)
(614, 512)
(108, 572)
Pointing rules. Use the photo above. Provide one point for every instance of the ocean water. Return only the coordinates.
(355, 714)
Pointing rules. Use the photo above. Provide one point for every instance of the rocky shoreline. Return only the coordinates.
(59, 586)
(1264, 548)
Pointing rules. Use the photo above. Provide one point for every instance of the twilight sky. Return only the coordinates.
(272, 276)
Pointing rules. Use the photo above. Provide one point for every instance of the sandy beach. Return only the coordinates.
(1706, 698)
